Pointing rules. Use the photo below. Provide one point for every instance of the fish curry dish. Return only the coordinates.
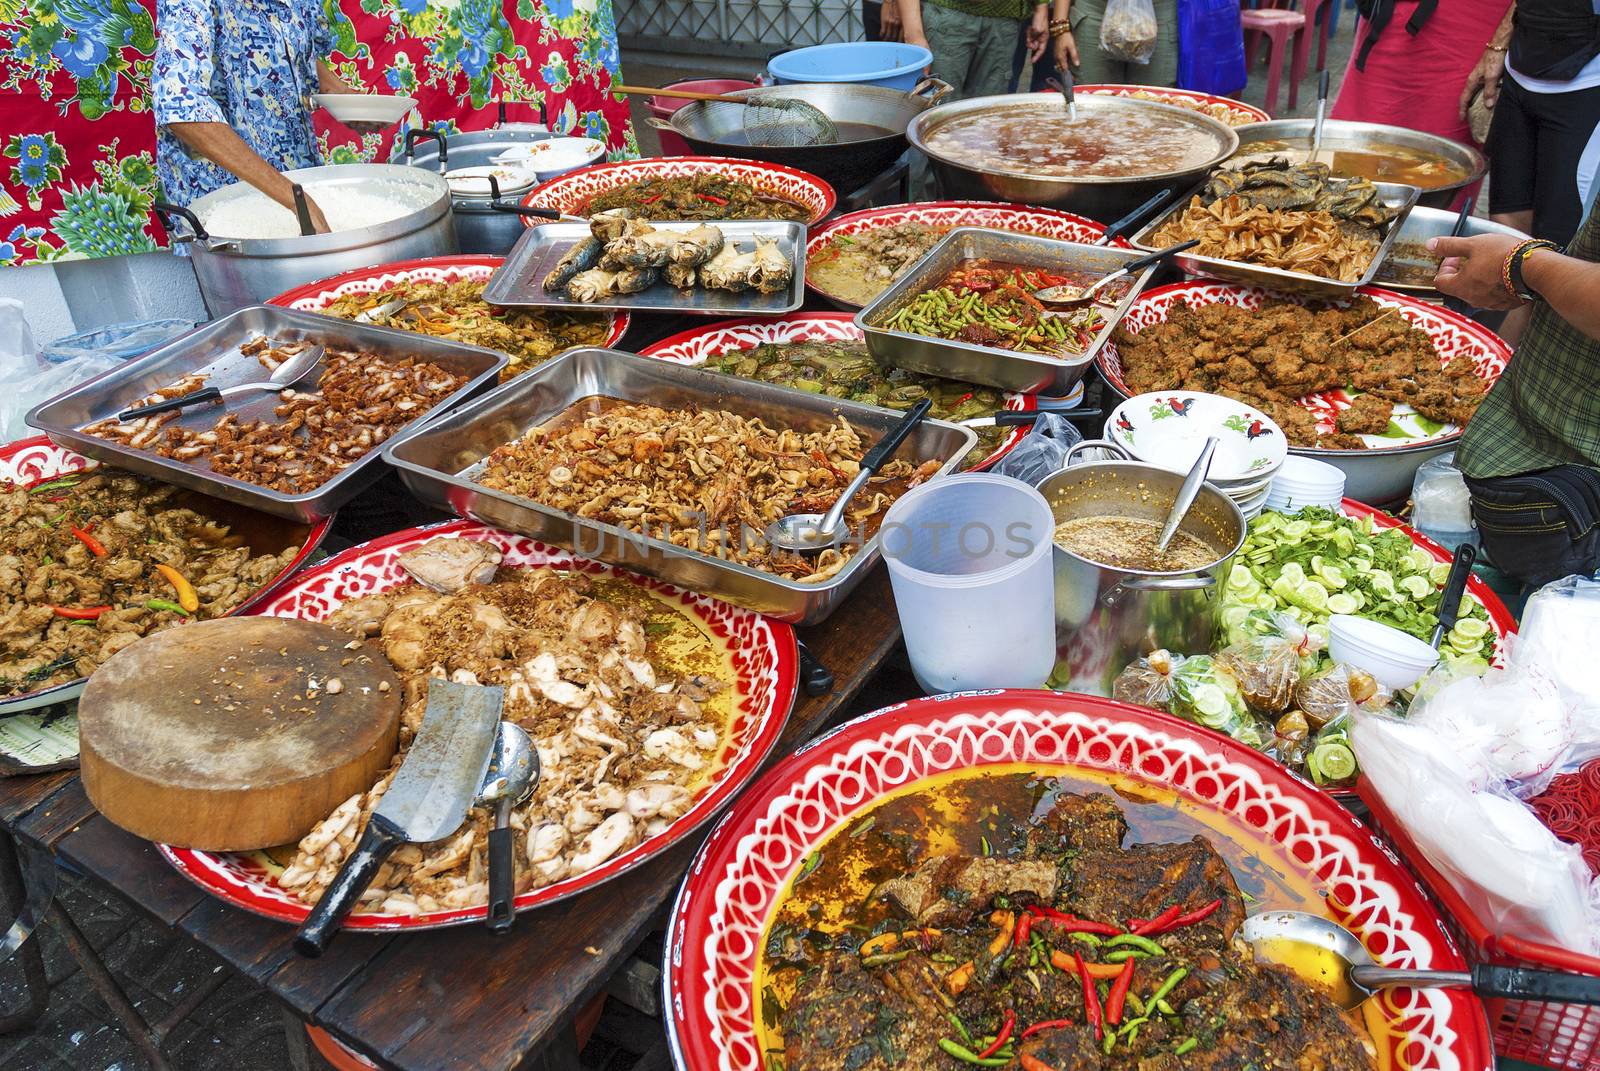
(1008, 919)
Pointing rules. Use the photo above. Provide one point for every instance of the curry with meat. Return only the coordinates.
(91, 562)
(1047, 922)
(1274, 356)
(698, 196)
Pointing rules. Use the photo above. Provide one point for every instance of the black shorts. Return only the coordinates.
(1541, 526)
(1534, 145)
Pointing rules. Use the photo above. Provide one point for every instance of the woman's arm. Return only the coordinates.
(911, 31)
(1062, 44)
(1473, 271)
(1491, 66)
(222, 145)
(328, 80)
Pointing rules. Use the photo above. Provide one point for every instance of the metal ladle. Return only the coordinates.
(286, 375)
(1064, 87)
(807, 533)
(1187, 493)
(1322, 111)
(1071, 297)
(513, 772)
(1326, 954)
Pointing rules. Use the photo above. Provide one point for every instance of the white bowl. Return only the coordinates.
(474, 181)
(1310, 472)
(553, 157)
(1169, 428)
(1395, 659)
(365, 107)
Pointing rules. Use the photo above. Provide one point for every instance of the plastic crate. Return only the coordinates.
(1565, 1036)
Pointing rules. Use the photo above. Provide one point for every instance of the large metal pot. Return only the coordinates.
(1106, 617)
(483, 224)
(715, 128)
(235, 272)
(1409, 249)
(1339, 134)
(1098, 197)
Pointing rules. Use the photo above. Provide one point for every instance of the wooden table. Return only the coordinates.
(457, 997)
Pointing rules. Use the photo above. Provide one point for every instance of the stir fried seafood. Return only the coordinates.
(90, 563)
(701, 196)
(847, 370)
(1311, 241)
(991, 303)
(360, 400)
(1282, 352)
(621, 693)
(1004, 921)
(457, 311)
(704, 479)
(628, 256)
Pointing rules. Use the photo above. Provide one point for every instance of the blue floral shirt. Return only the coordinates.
(248, 63)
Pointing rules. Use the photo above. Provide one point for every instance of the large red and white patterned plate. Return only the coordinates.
(314, 297)
(571, 192)
(1453, 335)
(1024, 219)
(30, 461)
(1239, 113)
(697, 345)
(761, 650)
(721, 914)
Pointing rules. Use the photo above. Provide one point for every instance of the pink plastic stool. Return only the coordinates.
(1279, 25)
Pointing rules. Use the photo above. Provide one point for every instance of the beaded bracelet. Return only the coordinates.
(1518, 251)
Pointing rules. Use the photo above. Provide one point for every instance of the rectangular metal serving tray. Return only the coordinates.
(213, 349)
(989, 365)
(519, 282)
(439, 463)
(1393, 194)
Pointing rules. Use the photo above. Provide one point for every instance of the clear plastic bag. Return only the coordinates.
(1207, 694)
(1335, 692)
(1509, 726)
(25, 380)
(1559, 636)
(1267, 660)
(1128, 30)
(1148, 681)
(1042, 452)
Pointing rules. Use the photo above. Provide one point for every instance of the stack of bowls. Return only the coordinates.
(1305, 481)
(1169, 428)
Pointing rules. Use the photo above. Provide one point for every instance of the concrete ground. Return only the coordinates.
(239, 1027)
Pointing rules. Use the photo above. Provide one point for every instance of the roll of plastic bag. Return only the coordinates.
(1559, 637)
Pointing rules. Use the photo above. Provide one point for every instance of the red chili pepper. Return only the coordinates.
(1157, 924)
(1197, 915)
(652, 199)
(97, 548)
(1047, 1024)
(1091, 998)
(80, 613)
(1024, 928)
(1000, 1039)
(713, 198)
(1119, 992)
(1073, 924)
(964, 398)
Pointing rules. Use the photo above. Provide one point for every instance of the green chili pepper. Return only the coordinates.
(961, 1028)
(1135, 941)
(1120, 954)
(1164, 1008)
(1087, 938)
(883, 958)
(168, 605)
(1170, 984)
(968, 1056)
(1188, 1045)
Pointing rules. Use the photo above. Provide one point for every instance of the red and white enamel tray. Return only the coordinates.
(1239, 113)
(696, 346)
(1024, 219)
(571, 192)
(721, 914)
(30, 461)
(314, 297)
(762, 652)
(1452, 335)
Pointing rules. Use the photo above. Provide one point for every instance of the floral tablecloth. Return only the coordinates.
(77, 148)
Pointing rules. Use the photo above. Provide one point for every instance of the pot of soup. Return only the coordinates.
(1027, 148)
(1116, 598)
(1437, 166)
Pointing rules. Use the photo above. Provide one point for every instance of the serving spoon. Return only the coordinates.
(808, 533)
(1331, 957)
(286, 375)
(1072, 297)
(512, 774)
(1187, 493)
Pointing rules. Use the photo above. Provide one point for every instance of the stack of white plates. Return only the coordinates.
(1169, 428)
(1304, 481)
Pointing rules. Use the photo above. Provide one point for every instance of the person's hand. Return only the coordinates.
(1486, 75)
(364, 129)
(915, 37)
(1038, 32)
(889, 24)
(1472, 267)
(1066, 51)
(319, 222)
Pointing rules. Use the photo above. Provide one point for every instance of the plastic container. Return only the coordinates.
(1441, 505)
(123, 341)
(663, 107)
(872, 63)
(970, 562)
(1395, 659)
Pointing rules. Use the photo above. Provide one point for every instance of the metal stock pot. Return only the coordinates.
(236, 272)
(485, 223)
(1108, 617)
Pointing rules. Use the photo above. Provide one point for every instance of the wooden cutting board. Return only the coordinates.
(235, 734)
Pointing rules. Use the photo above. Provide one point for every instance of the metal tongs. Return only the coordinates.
(1134, 218)
(1064, 87)
(1322, 112)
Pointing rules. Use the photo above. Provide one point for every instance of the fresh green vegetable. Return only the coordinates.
(1202, 692)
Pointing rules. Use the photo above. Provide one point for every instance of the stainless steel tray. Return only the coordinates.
(1006, 369)
(439, 463)
(213, 350)
(1424, 223)
(1399, 197)
(519, 282)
